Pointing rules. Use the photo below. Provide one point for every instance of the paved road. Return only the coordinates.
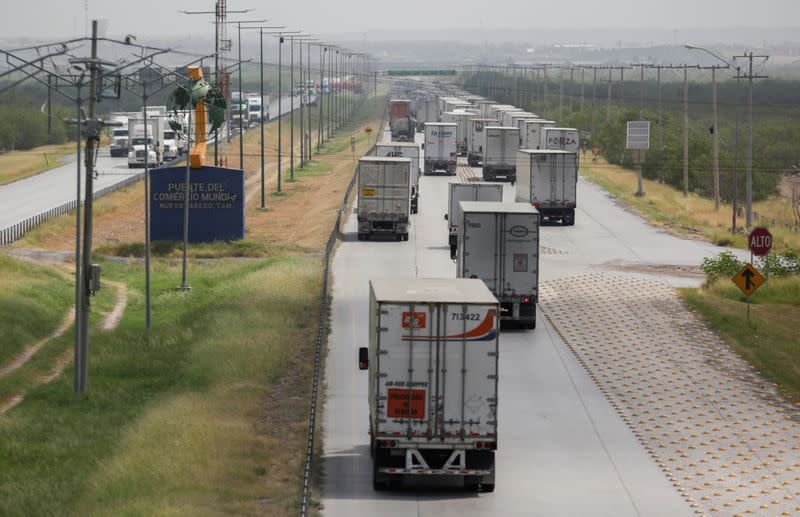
(564, 448)
(37, 194)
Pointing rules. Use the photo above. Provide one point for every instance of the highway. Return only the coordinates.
(604, 409)
(37, 194)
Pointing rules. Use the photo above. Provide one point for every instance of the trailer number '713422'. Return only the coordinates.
(465, 316)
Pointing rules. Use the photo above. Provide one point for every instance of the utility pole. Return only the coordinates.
(594, 98)
(608, 111)
(50, 109)
(571, 87)
(583, 69)
(561, 96)
(750, 76)
(92, 140)
(685, 131)
(291, 108)
(660, 112)
(641, 92)
(322, 51)
(280, 111)
(263, 122)
(715, 137)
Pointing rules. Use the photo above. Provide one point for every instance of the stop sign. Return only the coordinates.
(760, 241)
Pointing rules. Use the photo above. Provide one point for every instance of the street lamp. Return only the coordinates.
(735, 192)
(261, 49)
(280, 105)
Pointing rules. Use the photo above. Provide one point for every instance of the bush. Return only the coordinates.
(780, 265)
(723, 265)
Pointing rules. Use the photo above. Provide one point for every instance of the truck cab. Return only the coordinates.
(119, 142)
(141, 151)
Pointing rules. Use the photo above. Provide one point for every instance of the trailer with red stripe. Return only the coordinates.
(432, 363)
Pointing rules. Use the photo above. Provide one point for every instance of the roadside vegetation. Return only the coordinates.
(206, 415)
(770, 339)
(17, 165)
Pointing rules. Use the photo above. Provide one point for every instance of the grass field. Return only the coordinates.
(694, 215)
(17, 165)
(771, 339)
(33, 301)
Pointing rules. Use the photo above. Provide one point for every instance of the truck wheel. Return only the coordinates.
(569, 219)
(378, 486)
(405, 236)
(487, 487)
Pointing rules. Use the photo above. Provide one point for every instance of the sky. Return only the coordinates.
(56, 19)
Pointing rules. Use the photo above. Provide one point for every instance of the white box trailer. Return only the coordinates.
(432, 362)
(530, 132)
(510, 117)
(499, 244)
(548, 180)
(484, 107)
(408, 150)
(427, 111)
(461, 119)
(441, 152)
(384, 197)
(500, 157)
(561, 139)
(459, 192)
(476, 139)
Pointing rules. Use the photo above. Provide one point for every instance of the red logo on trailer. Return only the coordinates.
(415, 320)
(760, 241)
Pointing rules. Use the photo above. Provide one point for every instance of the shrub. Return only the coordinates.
(724, 264)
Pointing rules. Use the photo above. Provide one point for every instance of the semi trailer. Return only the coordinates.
(500, 157)
(476, 139)
(458, 192)
(408, 150)
(400, 121)
(548, 180)
(441, 153)
(499, 244)
(384, 197)
(432, 364)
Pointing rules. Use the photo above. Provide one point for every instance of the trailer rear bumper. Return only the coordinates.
(507, 172)
(388, 227)
(440, 167)
(518, 310)
(475, 468)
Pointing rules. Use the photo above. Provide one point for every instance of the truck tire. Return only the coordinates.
(487, 487)
(405, 236)
(569, 219)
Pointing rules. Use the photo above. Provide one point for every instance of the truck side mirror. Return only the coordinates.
(453, 251)
(422, 146)
(363, 358)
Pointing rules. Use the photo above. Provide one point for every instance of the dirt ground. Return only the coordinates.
(302, 215)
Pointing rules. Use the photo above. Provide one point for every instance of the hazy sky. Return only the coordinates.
(59, 18)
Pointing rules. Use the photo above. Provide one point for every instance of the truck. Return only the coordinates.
(400, 121)
(476, 139)
(384, 197)
(427, 111)
(548, 180)
(119, 138)
(500, 157)
(172, 145)
(459, 192)
(408, 150)
(255, 112)
(432, 363)
(461, 119)
(530, 132)
(149, 151)
(561, 138)
(441, 153)
(499, 244)
(238, 109)
(511, 118)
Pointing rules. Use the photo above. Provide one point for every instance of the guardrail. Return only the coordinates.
(322, 330)
(18, 230)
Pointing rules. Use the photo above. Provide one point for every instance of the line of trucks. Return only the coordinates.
(433, 350)
(161, 144)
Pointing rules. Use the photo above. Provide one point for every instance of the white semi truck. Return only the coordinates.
(461, 119)
(408, 150)
(441, 153)
(459, 192)
(119, 138)
(476, 139)
(500, 156)
(432, 363)
(499, 244)
(384, 197)
(147, 148)
(427, 111)
(548, 181)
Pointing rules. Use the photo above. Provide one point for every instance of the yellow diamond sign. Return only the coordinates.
(749, 279)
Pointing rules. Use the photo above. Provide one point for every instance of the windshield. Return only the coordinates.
(255, 108)
(169, 135)
(140, 141)
(119, 132)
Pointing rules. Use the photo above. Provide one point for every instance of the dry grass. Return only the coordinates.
(17, 165)
(695, 215)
